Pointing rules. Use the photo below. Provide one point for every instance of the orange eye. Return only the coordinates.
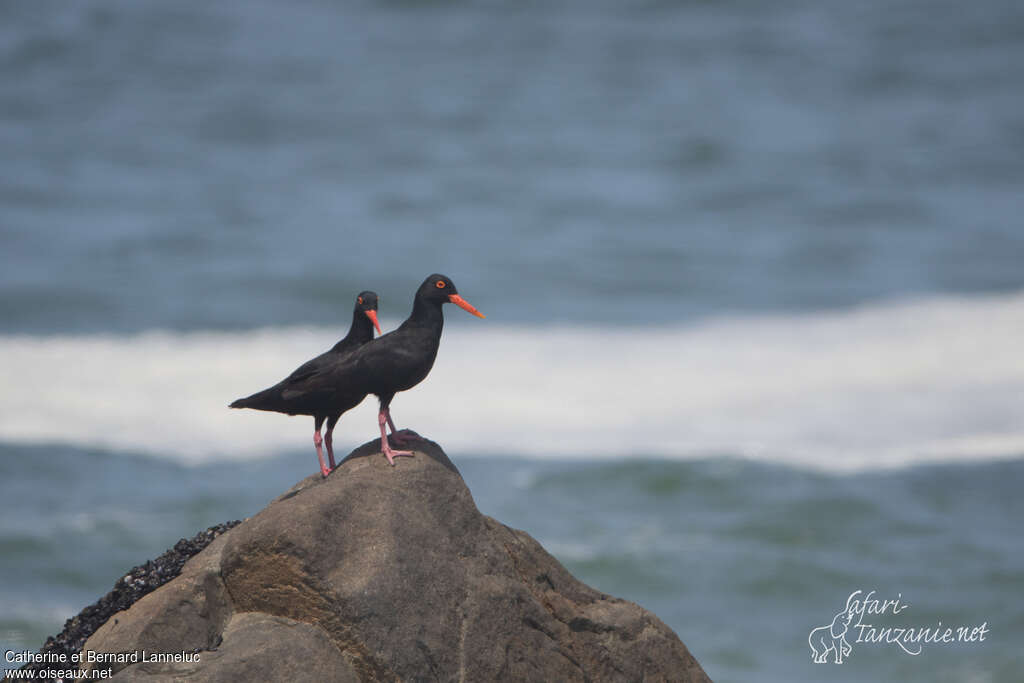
(441, 284)
(359, 300)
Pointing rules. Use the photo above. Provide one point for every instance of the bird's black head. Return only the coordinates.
(366, 303)
(440, 289)
(437, 288)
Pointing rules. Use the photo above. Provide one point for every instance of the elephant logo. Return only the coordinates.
(832, 638)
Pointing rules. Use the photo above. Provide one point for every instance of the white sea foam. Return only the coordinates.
(884, 385)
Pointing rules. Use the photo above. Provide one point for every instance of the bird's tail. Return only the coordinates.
(261, 400)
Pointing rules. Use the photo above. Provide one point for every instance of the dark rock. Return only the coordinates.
(383, 573)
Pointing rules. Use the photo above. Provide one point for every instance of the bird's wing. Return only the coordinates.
(320, 378)
(308, 369)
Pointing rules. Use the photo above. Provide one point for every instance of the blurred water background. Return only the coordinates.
(752, 276)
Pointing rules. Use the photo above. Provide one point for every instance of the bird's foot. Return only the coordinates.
(391, 454)
(325, 471)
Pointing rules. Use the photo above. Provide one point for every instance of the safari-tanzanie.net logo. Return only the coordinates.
(867, 619)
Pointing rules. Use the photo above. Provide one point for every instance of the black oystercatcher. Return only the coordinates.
(400, 359)
(318, 387)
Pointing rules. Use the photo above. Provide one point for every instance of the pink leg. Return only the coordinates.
(320, 453)
(400, 436)
(329, 440)
(388, 452)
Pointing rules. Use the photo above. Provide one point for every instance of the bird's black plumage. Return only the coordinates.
(318, 387)
(401, 359)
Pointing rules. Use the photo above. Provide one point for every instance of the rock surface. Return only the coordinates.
(139, 581)
(383, 573)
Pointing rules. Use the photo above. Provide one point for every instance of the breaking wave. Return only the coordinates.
(879, 386)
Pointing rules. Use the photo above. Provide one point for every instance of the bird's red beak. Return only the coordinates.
(464, 305)
(372, 315)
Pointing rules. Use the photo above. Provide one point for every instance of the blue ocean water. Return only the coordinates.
(751, 275)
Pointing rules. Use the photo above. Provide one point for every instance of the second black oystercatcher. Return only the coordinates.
(401, 359)
(316, 388)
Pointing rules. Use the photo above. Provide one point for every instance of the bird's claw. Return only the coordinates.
(392, 454)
